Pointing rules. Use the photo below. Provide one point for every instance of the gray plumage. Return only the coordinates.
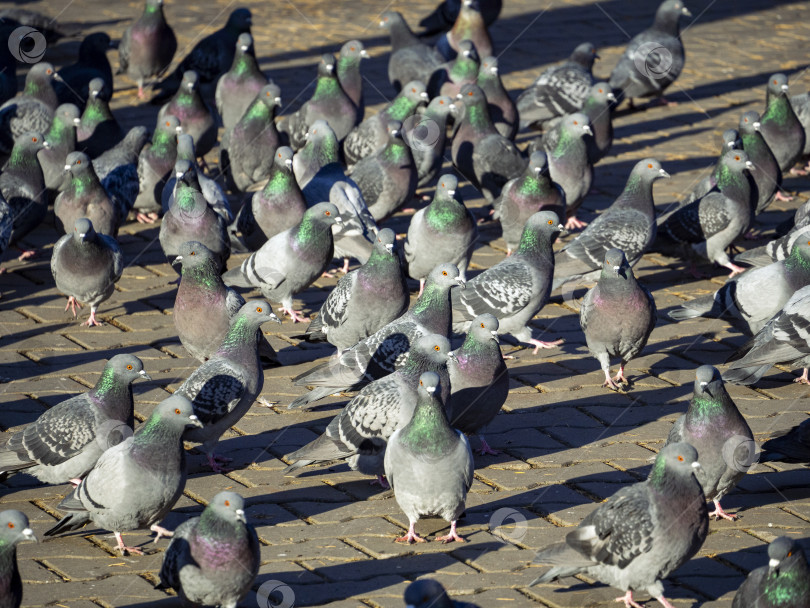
(22, 185)
(155, 163)
(61, 138)
(469, 25)
(6, 225)
(502, 109)
(14, 529)
(410, 59)
(777, 249)
(788, 446)
(147, 46)
(426, 134)
(349, 76)
(731, 141)
(32, 111)
(597, 107)
(98, 129)
(452, 76)
(72, 84)
(768, 175)
(783, 583)
(239, 86)
(194, 114)
(801, 107)
(442, 19)
(117, 170)
(84, 196)
(779, 124)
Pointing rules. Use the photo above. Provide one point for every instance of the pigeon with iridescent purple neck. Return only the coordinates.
(502, 109)
(194, 114)
(147, 46)
(14, 529)
(98, 129)
(238, 87)
(460, 71)
(155, 164)
(349, 76)
(779, 124)
(470, 26)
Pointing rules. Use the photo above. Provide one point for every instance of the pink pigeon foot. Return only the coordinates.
(380, 481)
(71, 305)
(345, 268)
(421, 287)
(572, 223)
(452, 536)
(124, 549)
(485, 449)
(719, 513)
(92, 321)
(217, 462)
(610, 383)
(27, 253)
(795, 171)
(146, 218)
(328, 274)
(780, 196)
(735, 270)
(140, 91)
(410, 537)
(76, 482)
(538, 344)
(803, 378)
(408, 211)
(664, 602)
(620, 376)
(161, 532)
(666, 102)
(295, 315)
(627, 598)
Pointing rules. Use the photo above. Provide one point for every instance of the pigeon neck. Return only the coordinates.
(533, 184)
(21, 159)
(667, 482)
(474, 344)
(187, 99)
(704, 410)
(241, 334)
(82, 182)
(464, 68)
(164, 142)
(798, 265)
(610, 283)
(752, 141)
(788, 584)
(95, 112)
(401, 108)
(327, 86)
(186, 198)
(534, 243)
(434, 303)
(60, 132)
(109, 387)
(444, 212)
(478, 116)
(219, 545)
(8, 566)
(327, 151)
(396, 152)
(243, 64)
(668, 22)
(567, 141)
(150, 11)
(402, 36)
(281, 181)
(733, 183)
(260, 111)
(428, 431)
(200, 275)
(153, 433)
(779, 109)
(637, 193)
(308, 230)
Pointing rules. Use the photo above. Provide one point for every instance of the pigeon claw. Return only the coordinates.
(538, 344)
(803, 378)
(572, 223)
(380, 481)
(718, 513)
(780, 196)
(627, 598)
(217, 462)
(92, 321)
(411, 537)
(486, 449)
(452, 536)
(146, 218)
(71, 305)
(124, 549)
(735, 270)
(295, 315)
(161, 532)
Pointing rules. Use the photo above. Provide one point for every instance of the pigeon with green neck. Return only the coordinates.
(117, 170)
(194, 114)
(14, 529)
(84, 196)
(410, 58)
(349, 76)
(92, 63)
(502, 109)
(783, 583)
(31, 111)
(239, 86)
(426, 134)
(730, 141)
(61, 138)
(155, 164)
(469, 25)
(98, 129)
(768, 176)
(147, 46)
(455, 74)
(780, 126)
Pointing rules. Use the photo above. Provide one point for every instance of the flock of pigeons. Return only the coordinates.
(321, 180)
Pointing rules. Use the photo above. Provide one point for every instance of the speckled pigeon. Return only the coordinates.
(238, 87)
(32, 111)
(61, 138)
(84, 196)
(783, 583)
(98, 128)
(788, 446)
(779, 124)
(155, 163)
(777, 249)
(502, 109)
(194, 114)
(22, 185)
(348, 74)
(147, 46)
(470, 26)
(72, 84)
(410, 58)
(15, 529)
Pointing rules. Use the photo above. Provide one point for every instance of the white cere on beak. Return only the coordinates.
(749, 165)
(702, 384)
(757, 126)
(616, 268)
(77, 121)
(773, 563)
(784, 87)
(587, 129)
(430, 389)
(451, 192)
(67, 167)
(193, 417)
(696, 465)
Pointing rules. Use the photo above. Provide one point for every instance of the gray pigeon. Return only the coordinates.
(641, 534)
(238, 87)
(740, 300)
(783, 583)
(479, 380)
(361, 430)
(224, 387)
(788, 446)
(64, 443)
(289, 262)
(609, 330)
(364, 300)
(22, 185)
(469, 25)
(147, 46)
(464, 69)
(440, 20)
(15, 529)
(715, 427)
(349, 76)
(560, 90)
(515, 289)
(84, 196)
(654, 58)
(193, 564)
(524, 196)
(155, 164)
(72, 84)
(426, 592)
(426, 134)
(801, 107)
(597, 107)
(86, 266)
(777, 249)
(444, 231)
(731, 141)
(628, 224)
(61, 138)
(783, 340)
(194, 114)
(135, 483)
(117, 169)
(502, 109)
(768, 175)
(204, 307)
(429, 464)
(32, 111)
(386, 350)
(410, 58)
(779, 124)
(98, 128)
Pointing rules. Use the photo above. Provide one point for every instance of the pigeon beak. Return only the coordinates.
(587, 129)
(82, 235)
(57, 77)
(179, 129)
(703, 384)
(195, 421)
(494, 335)
(459, 96)
(750, 166)
(338, 219)
(424, 96)
(275, 318)
(144, 375)
(46, 145)
(596, 55)
(452, 107)
(240, 516)
(389, 248)
(179, 174)
(538, 170)
(616, 268)
(382, 23)
(177, 260)
(757, 126)
(77, 121)
(395, 132)
(28, 534)
(430, 389)
(466, 53)
(243, 48)
(277, 101)
(67, 169)
(364, 54)
(461, 281)
(494, 69)
(452, 356)
(190, 86)
(773, 563)
(451, 192)
(663, 173)
(611, 97)
(785, 87)
(288, 163)
(696, 466)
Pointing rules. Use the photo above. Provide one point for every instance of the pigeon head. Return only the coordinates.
(127, 368)
(731, 140)
(257, 312)
(577, 125)
(415, 91)
(749, 122)
(601, 94)
(778, 85)
(96, 87)
(430, 383)
(444, 276)
(325, 213)
(585, 54)
(239, 20)
(708, 382)
(489, 66)
(185, 171)
(485, 327)
(432, 348)
(77, 163)
(386, 241)
(38, 74)
(83, 229)
(668, 15)
(327, 65)
(228, 506)
(426, 593)
(190, 81)
(353, 51)
(471, 95)
(466, 49)
(541, 228)
(439, 106)
(270, 95)
(244, 44)
(735, 161)
(68, 114)
(675, 460)
(14, 528)
(175, 412)
(136, 138)
(800, 254)
(193, 255)
(447, 186)
(284, 158)
(168, 127)
(538, 163)
(649, 170)
(322, 144)
(29, 144)
(152, 5)
(390, 19)
(615, 264)
(783, 552)
(185, 147)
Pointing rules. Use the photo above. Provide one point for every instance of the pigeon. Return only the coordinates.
(641, 534)
(204, 306)
(147, 46)
(372, 134)
(731, 141)
(597, 108)
(444, 231)
(569, 165)
(289, 262)
(194, 114)
(609, 330)
(32, 111)
(48, 26)
(715, 427)
(364, 300)
(479, 380)
(15, 529)
(560, 90)
(65, 442)
(426, 592)
(460, 71)
(525, 195)
(779, 125)
(515, 289)
(777, 249)
(98, 129)
(191, 218)
(329, 102)
(348, 74)
(359, 433)
(86, 265)
(280, 205)
(768, 175)
(783, 340)
(480, 153)
(155, 163)
(470, 26)
(628, 224)
(387, 178)
(84, 196)
(193, 565)
(502, 109)
(740, 300)
(22, 185)
(117, 169)
(426, 135)
(444, 16)
(224, 387)
(653, 59)
(61, 138)
(238, 87)
(789, 446)
(429, 464)
(784, 582)
(386, 350)
(72, 86)
(410, 58)
(135, 484)
(707, 226)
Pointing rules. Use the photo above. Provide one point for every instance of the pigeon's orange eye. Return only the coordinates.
(10, 525)
(193, 253)
(470, 93)
(576, 122)
(413, 89)
(808, 242)
(129, 367)
(168, 124)
(259, 309)
(79, 162)
(550, 222)
(327, 213)
(177, 410)
(437, 348)
(442, 184)
(267, 94)
(48, 71)
(351, 48)
(482, 326)
(227, 503)
(680, 458)
(34, 139)
(444, 273)
(649, 166)
(774, 82)
(789, 552)
(737, 158)
(420, 384)
(441, 102)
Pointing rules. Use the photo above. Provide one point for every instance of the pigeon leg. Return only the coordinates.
(796, 171)
(604, 363)
(572, 223)
(161, 532)
(345, 268)
(627, 598)
(72, 303)
(295, 315)
(92, 320)
(76, 482)
(26, 253)
(719, 513)
(452, 536)
(538, 344)
(735, 270)
(123, 548)
(620, 376)
(485, 449)
(803, 378)
(421, 287)
(146, 218)
(664, 602)
(411, 536)
(140, 90)
(780, 196)
(217, 462)
(380, 481)
(328, 274)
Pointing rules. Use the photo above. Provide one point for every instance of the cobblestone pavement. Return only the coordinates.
(567, 443)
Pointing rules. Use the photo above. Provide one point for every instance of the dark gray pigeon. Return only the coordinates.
(715, 427)
(349, 76)
(654, 58)
(783, 583)
(779, 124)
(239, 86)
(135, 483)
(85, 197)
(72, 84)
(469, 25)
(444, 231)
(628, 224)
(98, 129)
(194, 114)
(86, 266)
(32, 111)
(515, 289)
(731, 141)
(289, 262)
(777, 249)
(560, 90)
(609, 330)
(788, 446)
(426, 134)
(440, 20)
(410, 59)
(524, 196)
(454, 75)
(8, 72)
(117, 169)
(22, 185)
(596, 107)
(364, 300)
(155, 163)
(15, 529)
(641, 534)
(61, 138)
(479, 380)
(147, 46)
(502, 109)
(801, 107)
(204, 307)
(426, 592)
(193, 564)
(768, 175)
(429, 464)
(64, 443)
(224, 387)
